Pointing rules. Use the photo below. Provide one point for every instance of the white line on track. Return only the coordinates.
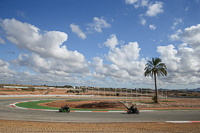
(182, 121)
(178, 121)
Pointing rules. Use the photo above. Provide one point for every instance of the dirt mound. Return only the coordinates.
(111, 105)
(100, 105)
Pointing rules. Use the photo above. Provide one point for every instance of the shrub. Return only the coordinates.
(70, 91)
(184, 95)
(77, 91)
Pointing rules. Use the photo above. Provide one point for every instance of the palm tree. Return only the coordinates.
(153, 68)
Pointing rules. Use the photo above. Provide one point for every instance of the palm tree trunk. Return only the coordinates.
(156, 90)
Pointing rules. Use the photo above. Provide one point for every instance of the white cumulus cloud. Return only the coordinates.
(143, 21)
(125, 64)
(5, 71)
(137, 3)
(175, 36)
(131, 1)
(78, 31)
(152, 27)
(155, 9)
(176, 22)
(47, 52)
(111, 42)
(98, 24)
(183, 62)
(191, 35)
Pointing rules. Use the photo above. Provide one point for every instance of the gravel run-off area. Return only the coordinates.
(25, 127)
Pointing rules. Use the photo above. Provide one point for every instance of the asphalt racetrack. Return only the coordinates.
(10, 113)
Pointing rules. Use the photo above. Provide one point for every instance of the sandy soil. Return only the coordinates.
(24, 127)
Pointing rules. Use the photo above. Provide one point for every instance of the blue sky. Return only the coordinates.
(103, 43)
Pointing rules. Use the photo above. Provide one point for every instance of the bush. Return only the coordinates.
(184, 95)
(77, 91)
(70, 91)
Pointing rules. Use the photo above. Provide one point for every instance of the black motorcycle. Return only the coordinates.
(132, 110)
(64, 109)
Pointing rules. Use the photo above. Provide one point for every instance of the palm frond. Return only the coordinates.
(162, 65)
(155, 67)
(157, 61)
(147, 72)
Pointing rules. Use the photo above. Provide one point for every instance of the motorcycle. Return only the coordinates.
(64, 109)
(132, 110)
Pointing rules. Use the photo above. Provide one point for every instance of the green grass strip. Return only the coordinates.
(34, 105)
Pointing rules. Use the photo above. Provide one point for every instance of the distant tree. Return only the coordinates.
(153, 68)
(68, 86)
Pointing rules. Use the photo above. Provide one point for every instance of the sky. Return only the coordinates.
(100, 43)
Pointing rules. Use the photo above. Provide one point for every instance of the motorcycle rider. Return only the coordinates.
(66, 107)
(132, 107)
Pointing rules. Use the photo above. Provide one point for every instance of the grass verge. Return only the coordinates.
(34, 105)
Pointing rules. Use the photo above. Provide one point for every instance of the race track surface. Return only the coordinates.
(9, 113)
